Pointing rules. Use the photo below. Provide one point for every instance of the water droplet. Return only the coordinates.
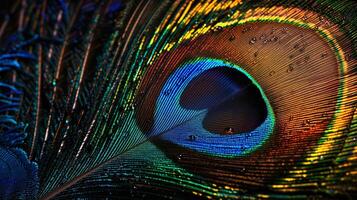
(232, 38)
(273, 30)
(284, 30)
(217, 29)
(256, 54)
(290, 68)
(179, 156)
(271, 73)
(253, 40)
(302, 49)
(303, 124)
(323, 55)
(348, 57)
(167, 92)
(321, 19)
(192, 137)
(229, 130)
(246, 29)
(126, 135)
(291, 118)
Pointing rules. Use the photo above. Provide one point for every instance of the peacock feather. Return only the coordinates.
(184, 99)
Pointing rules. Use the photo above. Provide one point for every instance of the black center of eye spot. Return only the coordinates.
(234, 103)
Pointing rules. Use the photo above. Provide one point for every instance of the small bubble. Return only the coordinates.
(323, 55)
(256, 54)
(271, 73)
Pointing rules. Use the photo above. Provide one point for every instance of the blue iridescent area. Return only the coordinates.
(18, 175)
(177, 124)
